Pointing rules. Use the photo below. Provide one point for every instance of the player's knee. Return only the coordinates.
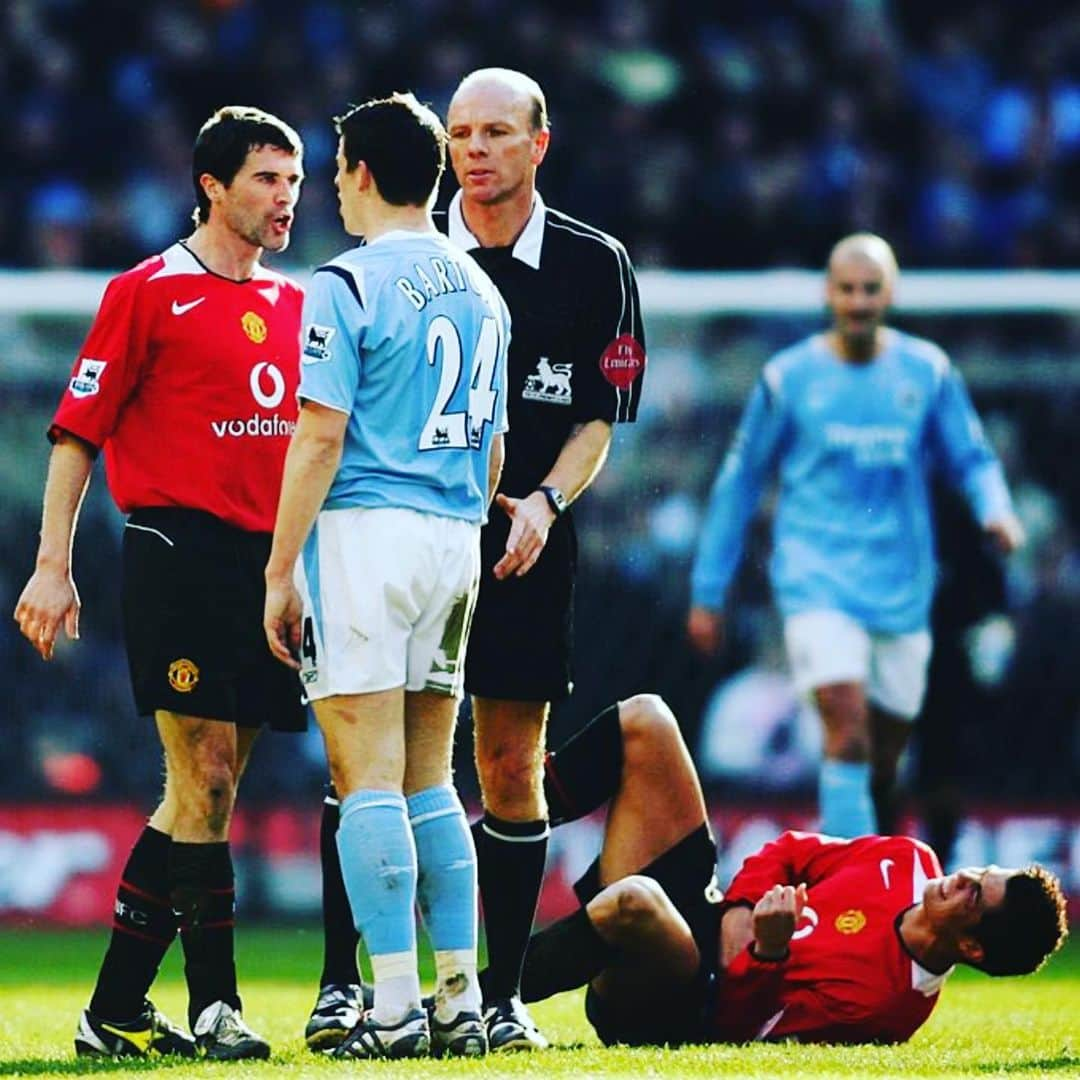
(649, 727)
(510, 774)
(845, 719)
(219, 791)
(512, 771)
(655, 756)
(638, 902)
(843, 703)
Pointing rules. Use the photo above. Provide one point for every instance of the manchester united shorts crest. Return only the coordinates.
(193, 592)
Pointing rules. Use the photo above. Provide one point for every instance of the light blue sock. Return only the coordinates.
(447, 862)
(447, 895)
(844, 798)
(378, 863)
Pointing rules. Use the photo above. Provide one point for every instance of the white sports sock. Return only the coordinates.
(397, 987)
(457, 988)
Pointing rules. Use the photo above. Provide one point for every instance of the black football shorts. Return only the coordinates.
(686, 873)
(193, 592)
(522, 631)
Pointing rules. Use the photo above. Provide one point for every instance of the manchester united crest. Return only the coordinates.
(850, 921)
(254, 326)
(183, 675)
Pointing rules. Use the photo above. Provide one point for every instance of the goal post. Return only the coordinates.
(674, 292)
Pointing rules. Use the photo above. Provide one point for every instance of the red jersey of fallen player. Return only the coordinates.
(188, 380)
(848, 977)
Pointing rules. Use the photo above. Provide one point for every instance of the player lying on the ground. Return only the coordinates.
(817, 939)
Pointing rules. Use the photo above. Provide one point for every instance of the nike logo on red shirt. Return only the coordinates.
(885, 864)
(181, 309)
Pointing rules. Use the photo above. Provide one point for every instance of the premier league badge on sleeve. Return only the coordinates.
(317, 343)
(87, 380)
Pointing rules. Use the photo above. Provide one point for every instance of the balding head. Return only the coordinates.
(513, 88)
(864, 247)
(858, 291)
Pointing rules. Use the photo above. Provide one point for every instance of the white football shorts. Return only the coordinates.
(388, 598)
(826, 647)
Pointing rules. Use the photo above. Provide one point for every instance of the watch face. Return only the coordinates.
(556, 498)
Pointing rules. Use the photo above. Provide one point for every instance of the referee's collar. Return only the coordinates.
(528, 245)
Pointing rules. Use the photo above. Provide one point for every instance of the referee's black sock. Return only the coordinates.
(585, 772)
(340, 938)
(567, 954)
(510, 858)
(143, 929)
(202, 888)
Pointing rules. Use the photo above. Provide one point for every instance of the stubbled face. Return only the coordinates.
(858, 291)
(258, 205)
(958, 901)
(493, 150)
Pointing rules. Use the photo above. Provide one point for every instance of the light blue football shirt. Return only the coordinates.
(853, 447)
(409, 337)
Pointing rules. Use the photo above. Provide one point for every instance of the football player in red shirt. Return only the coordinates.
(187, 381)
(817, 939)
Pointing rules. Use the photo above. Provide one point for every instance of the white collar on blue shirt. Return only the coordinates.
(527, 246)
(400, 234)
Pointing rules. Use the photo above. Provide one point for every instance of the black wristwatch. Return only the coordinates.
(556, 499)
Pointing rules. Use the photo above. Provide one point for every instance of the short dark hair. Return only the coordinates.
(1030, 924)
(226, 139)
(402, 142)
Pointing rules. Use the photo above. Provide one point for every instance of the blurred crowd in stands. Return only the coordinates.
(733, 135)
(727, 136)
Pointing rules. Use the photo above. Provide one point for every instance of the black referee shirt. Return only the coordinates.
(577, 344)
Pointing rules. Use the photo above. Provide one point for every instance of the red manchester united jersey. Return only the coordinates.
(188, 381)
(848, 977)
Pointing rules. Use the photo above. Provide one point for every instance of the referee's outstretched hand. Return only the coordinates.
(49, 599)
(530, 520)
(282, 616)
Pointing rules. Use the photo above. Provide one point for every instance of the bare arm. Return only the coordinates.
(736, 932)
(50, 596)
(581, 458)
(495, 465)
(310, 465)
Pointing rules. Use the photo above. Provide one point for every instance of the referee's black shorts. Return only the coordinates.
(193, 592)
(522, 631)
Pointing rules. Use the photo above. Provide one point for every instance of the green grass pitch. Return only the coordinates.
(982, 1027)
